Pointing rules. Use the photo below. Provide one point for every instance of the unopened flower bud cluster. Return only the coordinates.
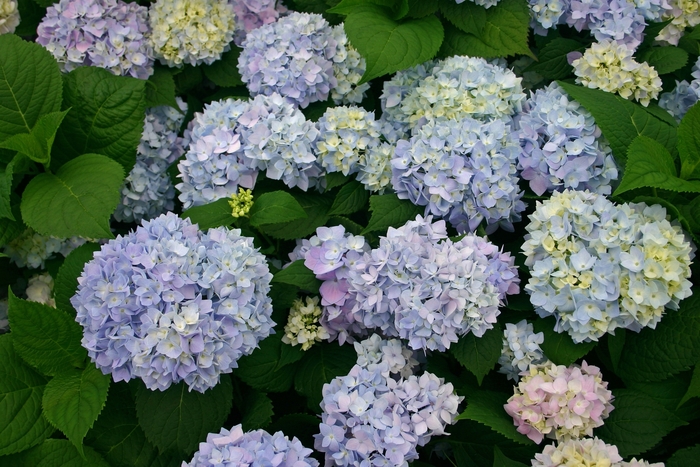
(303, 325)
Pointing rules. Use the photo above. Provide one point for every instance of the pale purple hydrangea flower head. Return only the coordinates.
(547, 14)
(617, 20)
(292, 56)
(521, 348)
(167, 303)
(258, 448)
(108, 34)
(251, 14)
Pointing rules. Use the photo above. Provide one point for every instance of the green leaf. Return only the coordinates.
(668, 392)
(106, 116)
(160, 89)
(270, 367)
(66, 281)
(479, 354)
(316, 208)
(684, 457)
(674, 346)
(299, 275)
(9, 230)
(301, 425)
(665, 59)
(559, 347)
(275, 207)
(350, 199)
(473, 445)
(178, 418)
(320, 365)
(387, 45)
(224, 72)
(46, 338)
(616, 343)
(73, 400)
(500, 460)
(650, 165)
(621, 120)
(37, 144)
(390, 211)
(22, 424)
(694, 388)
(637, 423)
(689, 144)
(334, 179)
(257, 412)
(210, 215)
(422, 8)
(58, 453)
(551, 60)
(30, 85)
(486, 407)
(77, 201)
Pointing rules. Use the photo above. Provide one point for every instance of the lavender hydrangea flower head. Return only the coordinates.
(109, 34)
(277, 138)
(256, 448)
(683, 96)
(215, 165)
(462, 170)
(590, 451)
(251, 14)
(292, 56)
(562, 147)
(191, 31)
(559, 402)
(348, 68)
(9, 16)
(683, 14)
(167, 303)
(147, 191)
(521, 348)
(389, 355)
(596, 266)
(31, 249)
(615, 20)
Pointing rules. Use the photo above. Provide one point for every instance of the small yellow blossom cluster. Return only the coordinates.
(241, 203)
(303, 325)
(9, 16)
(191, 31)
(610, 66)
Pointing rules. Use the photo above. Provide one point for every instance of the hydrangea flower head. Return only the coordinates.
(241, 203)
(485, 3)
(9, 16)
(303, 324)
(167, 303)
(521, 348)
(31, 249)
(348, 68)
(587, 451)
(683, 14)
(292, 56)
(256, 448)
(610, 66)
(464, 170)
(389, 355)
(547, 14)
(40, 289)
(251, 14)
(559, 402)
(562, 147)
(191, 31)
(596, 266)
(683, 96)
(108, 34)
(147, 191)
(617, 20)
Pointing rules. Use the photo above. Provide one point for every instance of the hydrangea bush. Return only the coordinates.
(359, 233)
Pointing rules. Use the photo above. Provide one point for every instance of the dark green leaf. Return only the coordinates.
(67, 279)
(210, 215)
(160, 89)
(486, 407)
(187, 79)
(224, 72)
(458, 42)
(350, 199)
(422, 8)
(299, 275)
(390, 211)
(257, 412)
(275, 207)
(320, 365)
(668, 392)
(689, 144)
(350, 225)
(665, 59)
(473, 445)
(500, 460)
(685, 457)
(178, 418)
(31, 14)
(270, 367)
(316, 208)
(334, 179)
(315, 111)
(37, 144)
(694, 388)
(479, 354)
(46, 338)
(57, 453)
(616, 342)
(551, 60)
(73, 400)
(77, 201)
(301, 425)
(559, 347)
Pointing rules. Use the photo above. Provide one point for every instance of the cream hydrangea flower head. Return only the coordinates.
(9, 16)
(303, 326)
(191, 31)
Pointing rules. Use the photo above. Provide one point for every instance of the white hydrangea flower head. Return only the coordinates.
(348, 68)
(375, 173)
(575, 452)
(40, 289)
(191, 31)
(683, 14)
(31, 249)
(521, 348)
(610, 66)
(303, 325)
(641, 463)
(9, 16)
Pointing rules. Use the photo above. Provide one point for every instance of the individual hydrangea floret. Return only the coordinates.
(215, 165)
(562, 147)
(167, 303)
(256, 448)
(292, 56)
(348, 68)
(559, 402)
(40, 289)
(241, 203)
(462, 170)
(610, 66)
(683, 14)
(31, 249)
(521, 348)
(596, 266)
(148, 191)
(303, 325)
(109, 34)
(191, 32)
(9, 16)
(277, 138)
(251, 14)
(587, 451)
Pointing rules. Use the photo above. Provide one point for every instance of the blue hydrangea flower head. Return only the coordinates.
(547, 14)
(521, 348)
(109, 34)
(167, 303)
(683, 96)
(562, 147)
(292, 56)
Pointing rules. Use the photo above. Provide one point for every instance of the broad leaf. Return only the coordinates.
(689, 144)
(275, 207)
(665, 59)
(76, 201)
(390, 211)
(350, 199)
(473, 445)
(558, 346)
(66, 281)
(271, 367)
(421, 8)
(694, 388)
(178, 418)
(486, 407)
(160, 89)
(551, 60)
(257, 412)
(500, 460)
(37, 144)
(684, 457)
(22, 424)
(299, 275)
(479, 354)
(210, 215)
(58, 453)
(320, 365)
(73, 400)
(224, 72)
(46, 338)
(316, 208)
